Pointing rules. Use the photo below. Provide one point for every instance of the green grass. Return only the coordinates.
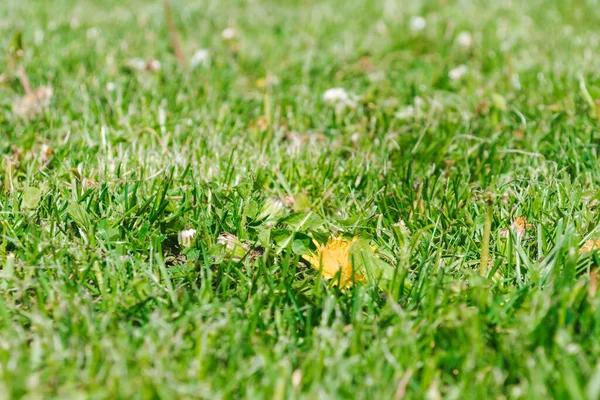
(99, 300)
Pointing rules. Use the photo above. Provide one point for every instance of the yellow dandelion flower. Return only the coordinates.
(333, 259)
(590, 245)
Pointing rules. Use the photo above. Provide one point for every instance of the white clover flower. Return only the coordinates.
(162, 117)
(417, 23)
(295, 142)
(92, 33)
(381, 28)
(464, 40)
(376, 76)
(153, 65)
(200, 57)
(136, 63)
(458, 73)
(406, 113)
(75, 23)
(335, 95)
(139, 64)
(515, 81)
(185, 237)
(297, 378)
(271, 80)
(268, 81)
(229, 34)
(38, 36)
(419, 102)
(339, 98)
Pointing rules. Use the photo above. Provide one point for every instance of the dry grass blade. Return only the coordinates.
(173, 34)
(24, 80)
(402, 383)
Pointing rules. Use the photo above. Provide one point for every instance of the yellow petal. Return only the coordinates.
(333, 259)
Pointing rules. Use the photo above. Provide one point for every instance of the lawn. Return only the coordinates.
(313, 199)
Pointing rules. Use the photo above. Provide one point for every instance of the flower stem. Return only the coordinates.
(485, 244)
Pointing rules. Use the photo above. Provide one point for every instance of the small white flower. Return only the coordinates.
(38, 36)
(75, 23)
(229, 34)
(419, 102)
(153, 65)
(111, 86)
(338, 97)
(295, 142)
(92, 33)
(136, 63)
(271, 80)
(335, 95)
(377, 76)
(200, 57)
(406, 113)
(458, 73)
(417, 24)
(515, 81)
(297, 378)
(139, 64)
(464, 40)
(436, 105)
(162, 117)
(573, 348)
(185, 237)
(381, 28)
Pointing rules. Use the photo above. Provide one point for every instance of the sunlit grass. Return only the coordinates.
(156, 218)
